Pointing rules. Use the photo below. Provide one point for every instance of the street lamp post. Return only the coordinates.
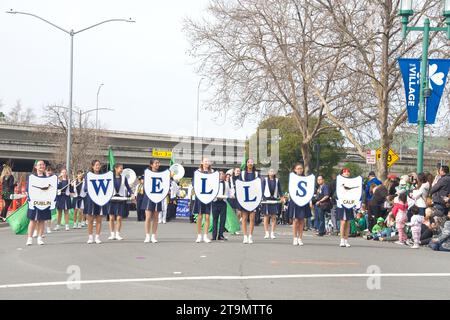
(96, 115)
(71, 33)
(405, 12)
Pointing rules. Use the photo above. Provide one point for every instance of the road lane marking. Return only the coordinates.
(238, 278)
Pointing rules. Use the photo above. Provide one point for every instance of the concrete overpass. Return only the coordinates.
(21, 144)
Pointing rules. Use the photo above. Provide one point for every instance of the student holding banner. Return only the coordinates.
(99, 189)
(250, 174)
(156, 188)
(349, 194)
(41, 193)
(206, 187)
(117, 208)
(272, 193)
(301, 191)
(63, 201)
(232, 183)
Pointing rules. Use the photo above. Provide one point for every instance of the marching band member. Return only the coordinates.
(92, 210)
(345, 216)
(249, 174)
(63, 201)
(78, 200)
(48, 173)
(165, 205)
(139, 195)
(8, 186)
(272, 192)
(151, 209)
(219, 208)
(233, 201)
(117, 209)
(298, 214)
(37, 217)
(203, 209)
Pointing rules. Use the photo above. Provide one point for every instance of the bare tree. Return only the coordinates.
(262, 58)
(87, 142)
(18, 115)
(371, 31)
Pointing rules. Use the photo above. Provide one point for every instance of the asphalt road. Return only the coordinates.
(179, 268)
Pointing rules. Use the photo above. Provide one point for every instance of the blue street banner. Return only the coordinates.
(183, 208)
(438, 70)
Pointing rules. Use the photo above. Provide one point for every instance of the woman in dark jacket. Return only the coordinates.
(8, 186)
(376, 204)
(442, 241)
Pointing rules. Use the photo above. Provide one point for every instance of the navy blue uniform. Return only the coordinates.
(36, 214)
(149, 205)
(219, 208)
(297, 212)
(63, 201)
(269, 209)
(78, 200)
(117, 207)
(246, 176)
(200, 207)
(90, 207)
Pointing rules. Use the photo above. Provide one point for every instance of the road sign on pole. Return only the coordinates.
(371, 157)
(391, 158)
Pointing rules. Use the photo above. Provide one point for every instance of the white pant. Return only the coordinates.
(163, 213)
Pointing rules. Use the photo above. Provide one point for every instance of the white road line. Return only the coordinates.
(202, 278)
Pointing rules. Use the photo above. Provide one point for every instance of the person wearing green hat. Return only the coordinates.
(380, 231)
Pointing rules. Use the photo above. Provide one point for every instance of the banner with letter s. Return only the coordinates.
(301, 189)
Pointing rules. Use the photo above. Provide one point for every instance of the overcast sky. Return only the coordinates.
(148, 77)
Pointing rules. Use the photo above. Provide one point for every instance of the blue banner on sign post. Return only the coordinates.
(183, 208)
(438, 70)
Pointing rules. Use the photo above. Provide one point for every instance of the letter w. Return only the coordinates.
(100, 185)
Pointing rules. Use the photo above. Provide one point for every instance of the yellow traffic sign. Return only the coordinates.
(391, 158)
(161, 154)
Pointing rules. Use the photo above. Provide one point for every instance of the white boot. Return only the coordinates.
(199, 238)
(206, 239)
(342, 243)
(112, 236)
(272, 236)
(154, 239)
(245, 240)
(300, 242)
(118, 237)
(266, 235)
(29, 241)
(90, 239)
(97, 239)
(67, 227)
(34, 233)
(250, 239)
(49, 230)
(56, 228)
(295, 242)
(147, 238)
(347, 244)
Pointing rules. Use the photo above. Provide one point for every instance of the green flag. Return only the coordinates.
(63, 219)
(111, 160)
(172, 160)
(244, 162)
(18, 220)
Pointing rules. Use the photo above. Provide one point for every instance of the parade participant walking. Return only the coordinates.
(233, 202)
(298, 213)
(78, 200)
(117, 208)
(8, 185)
(322, 205)
(93, 210)
(63, 201)
(152, 209)
(201, 208)
(38, 216)
(272, 192)
(219, 209)
(249, 174)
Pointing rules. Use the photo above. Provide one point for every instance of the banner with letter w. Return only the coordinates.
(156, 185)
(438, 70)
(100, 187)
(301, 189)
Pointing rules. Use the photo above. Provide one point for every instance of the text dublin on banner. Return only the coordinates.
(438, 70)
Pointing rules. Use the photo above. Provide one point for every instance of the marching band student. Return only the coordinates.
(37, 217)
(219, 208)
(48, 173)
(117, 209)
(167, 200)
(233, 201)
(92, 210)
(298, 214)
(78, 200)
(345, 216)
(63, 201)
(203, 209)
(151, 209)
(249, 174)
(139, 195)
(272, 192)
